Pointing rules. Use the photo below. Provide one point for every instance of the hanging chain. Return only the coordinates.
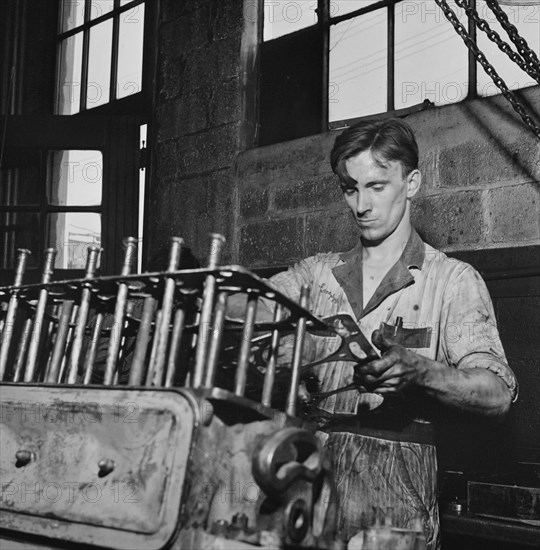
(521, 44)
(490, 70)
(529, 67)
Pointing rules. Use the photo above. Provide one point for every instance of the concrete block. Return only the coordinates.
(307, 193)
(170, 10)
(170, 77)
(208, 151)
(166, 160)
(305, 153)
(191, 113)
(217, 62)
(221, 201)
(272, 242)
(514, 213)
(224, 103)
(186, 33)
(449, 219)
(330, 231)
(429, 170)
(253, 202)
(227, 19)
(184, 115)
(488, 162)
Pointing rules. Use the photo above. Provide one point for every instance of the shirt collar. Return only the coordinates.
(413, 254)
(349, 274)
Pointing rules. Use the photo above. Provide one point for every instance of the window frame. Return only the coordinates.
(135, 103)
(324, 23)
(390, 6)
(117, 138)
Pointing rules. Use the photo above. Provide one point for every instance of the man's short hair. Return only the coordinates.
(387, 140)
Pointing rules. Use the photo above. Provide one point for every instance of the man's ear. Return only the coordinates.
(414, 181)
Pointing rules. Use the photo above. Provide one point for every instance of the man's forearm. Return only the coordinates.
(474, 390)
(236, 308)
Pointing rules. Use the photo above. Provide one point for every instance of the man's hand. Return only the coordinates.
(397, 369)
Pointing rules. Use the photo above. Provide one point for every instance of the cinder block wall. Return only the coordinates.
(481, 189)
(197, 123)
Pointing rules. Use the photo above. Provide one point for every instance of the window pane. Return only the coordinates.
(75, 178)
(130, 52)
(284, 17)
(341, 7)
(358, 65)
(430, 57)
(72, 14)
(100, 7)
(99, 65)
(124, 2)
(71, 233)
(69, 71)
(19, 178)
(526, 20)
(18, 230)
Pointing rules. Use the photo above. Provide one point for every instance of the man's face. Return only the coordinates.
(378, 201)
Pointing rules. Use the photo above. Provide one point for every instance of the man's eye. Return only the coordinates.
(377, 187)
(349, 191)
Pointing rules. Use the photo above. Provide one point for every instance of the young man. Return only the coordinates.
(432, 320)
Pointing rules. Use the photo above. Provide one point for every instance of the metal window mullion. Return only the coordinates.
(20, 208)
(362, 11)
(56, 208)
(390, 72)
(472, 65)
(85, 55)
(44, 202)
(114, 56)
(323, 12)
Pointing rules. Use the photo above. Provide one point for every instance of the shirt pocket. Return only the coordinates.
(412, 338)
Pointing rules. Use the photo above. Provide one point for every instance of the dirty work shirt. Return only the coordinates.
(447, 316)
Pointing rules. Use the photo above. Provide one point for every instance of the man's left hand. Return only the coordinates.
(397, 369)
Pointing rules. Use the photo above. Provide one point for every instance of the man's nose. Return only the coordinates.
(363, 204)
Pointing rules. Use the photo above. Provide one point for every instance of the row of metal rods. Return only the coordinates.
(38, 332)
(159, 336)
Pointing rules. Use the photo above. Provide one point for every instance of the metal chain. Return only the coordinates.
(483, 25)
(490, 70)
(524, 49)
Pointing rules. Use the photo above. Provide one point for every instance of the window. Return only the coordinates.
(366, 57)
(65, 210)
(100, 53)
(71, 181)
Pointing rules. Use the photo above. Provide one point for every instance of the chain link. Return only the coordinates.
(483, 25)
(490, 70)
(521, 44)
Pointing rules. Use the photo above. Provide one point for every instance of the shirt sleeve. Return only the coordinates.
(290, 282)
(469, 334)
